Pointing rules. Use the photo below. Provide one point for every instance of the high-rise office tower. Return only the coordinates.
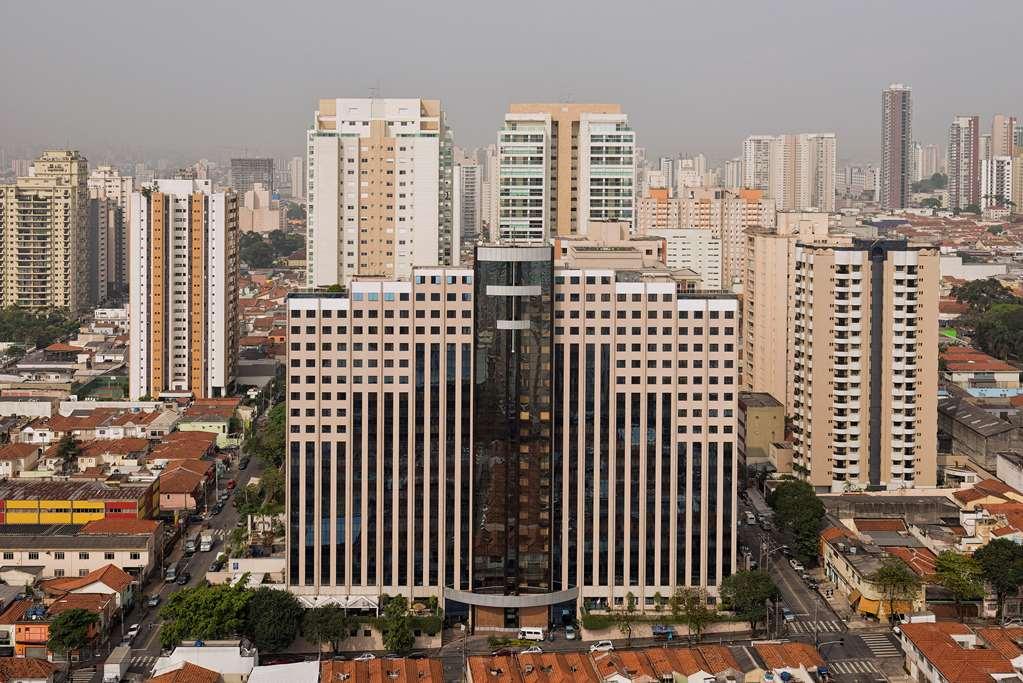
(515, 440)
(964, 162)
(562, 166)
(768, 286)
(467, 206)
(183, 290)
(296, 169)
(43, 234)
(246, 172)
(1003, 135)
(381, 189)
(896, 142)
(996, 182)
(756, 161)
(865, 364)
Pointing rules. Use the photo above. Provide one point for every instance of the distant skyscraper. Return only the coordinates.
(667, 168)
(108, 183)
(985, 146)
(918, 162)
(380, 186)
(931, 160)
(1017, 137)
(183, 285)
(733, 173)
(247, 172)
(490, 192)
(896, 142)
(964, 162)
(466, 196)
(1003, 131)
(44, 244)
(296, 169)
(756, 161)
(563, 166)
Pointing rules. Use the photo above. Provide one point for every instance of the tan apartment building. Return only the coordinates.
(380, 191)
(183, 284)
(727, 215)
(865, 364)
(542, 432)
(561, 166)
(767, 298)
(43, 238)
(761, 423)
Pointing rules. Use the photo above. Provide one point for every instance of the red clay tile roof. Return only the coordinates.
(920, 560)
(15, 611)
(65, 348)
(866, 525)
(93, 602)
(994, 487)
(785, 655)
(195, 466)
(114, 447)
(833, 532)
(966, 359)
(109, 575)
(20, 668)
(187, 673)
(116, 526)
(969, 495)
(1004, 640)
(17, 451)
(400, 670)
(180, 481)
(955, 663)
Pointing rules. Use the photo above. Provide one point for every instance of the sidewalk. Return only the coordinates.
(759, 504)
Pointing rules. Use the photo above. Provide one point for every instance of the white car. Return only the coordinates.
(365, 657)
(570, 632)
(132, 631)
(532, 650)
(602, 646)
(797, 565)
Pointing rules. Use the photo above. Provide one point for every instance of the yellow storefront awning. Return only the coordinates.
(869, 606)
(902, 607)
(854, 596)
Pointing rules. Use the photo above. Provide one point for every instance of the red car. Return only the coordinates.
(231, 483)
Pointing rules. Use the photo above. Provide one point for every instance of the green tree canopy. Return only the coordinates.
(205, 613)
(938, 181)
(798, 511)
(1001, 565)
(960, 575)
(691, 605)
(274, 619)
(266, 440)
(327, 624)
(295, 211)
(626, 616)
(396, 626)
(980, 295)
(896, 581)
(257, 254)
(285, 243)
(69, 630)
(746, 593)
(29, 327)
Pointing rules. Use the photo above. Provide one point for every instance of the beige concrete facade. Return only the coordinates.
(383, 408)
(761, 423)
(43, 238)
(865, 355)
(767, 293)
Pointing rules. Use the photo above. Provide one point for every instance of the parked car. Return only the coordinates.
(602, 646)
(217, 508)
(243, 463)
(153, 600)
(183, 578)
(570, 632)
(231, 483)
(365, 657)
(501, 652)
(532, 650)
(797, 565)
(223, 496)
(132, 631)
(416, 655)
(788, 614)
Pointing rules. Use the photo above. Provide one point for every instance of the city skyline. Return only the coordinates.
(277, 99)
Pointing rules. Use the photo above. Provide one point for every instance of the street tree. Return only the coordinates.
(205, 613)
(960, 575)
(328, 624)
(274, 619)
(896, 581)
(694, 610)
(626, 617)
(980, 295)
(396, 626)
(71, 630)
(1001, 565)
(798, 511)
(747, 593)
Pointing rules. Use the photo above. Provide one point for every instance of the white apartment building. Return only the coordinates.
(733, 174)
(996, 182)
(296, 169)
(106, 182)
(695, 249)
(183, 282)
(467, 198)
(756, 161)
(380, 189)
(563, 166)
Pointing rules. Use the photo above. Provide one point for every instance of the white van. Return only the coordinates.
(530, 633)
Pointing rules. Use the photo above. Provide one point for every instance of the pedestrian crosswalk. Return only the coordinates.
(832, 626)
(881, 645)
(143, 663)
(853, 666)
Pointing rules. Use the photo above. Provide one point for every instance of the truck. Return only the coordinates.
(206, 542)
(191, 544)
(116, 666)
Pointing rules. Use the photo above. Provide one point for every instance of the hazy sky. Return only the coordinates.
(214, 78)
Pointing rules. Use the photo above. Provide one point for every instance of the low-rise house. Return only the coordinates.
(13, 613)
(950, 652)
(101, 453)
(32, 630)
(186, 672)
(232, 660)
(109, 580)
(21, 670)
(404, 670)
(799, 660)
(184, 445)
(968, 368)
(16, 458)
(71, 550)
(213, 416)
(181, 490)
